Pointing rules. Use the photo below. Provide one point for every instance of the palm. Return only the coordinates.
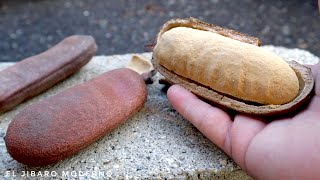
(265, 149)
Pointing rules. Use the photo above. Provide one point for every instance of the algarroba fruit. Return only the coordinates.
(238, 69)
(142, 66)
(229, 68)
(35, 74)
(61, 125)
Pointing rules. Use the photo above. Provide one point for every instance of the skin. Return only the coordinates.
(287, 148)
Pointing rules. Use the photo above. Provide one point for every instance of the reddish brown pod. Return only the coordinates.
(61, 125)
(38, 73)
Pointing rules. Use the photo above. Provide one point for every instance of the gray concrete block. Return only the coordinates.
(156, 143)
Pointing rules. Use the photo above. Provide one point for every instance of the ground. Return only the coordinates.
(28, 27)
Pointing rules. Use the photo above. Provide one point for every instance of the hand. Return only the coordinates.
(287, 148)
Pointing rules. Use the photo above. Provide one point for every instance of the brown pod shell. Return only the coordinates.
(306, 84)
(61, 125)
(35, 74)
(304, 75)
(196, 24)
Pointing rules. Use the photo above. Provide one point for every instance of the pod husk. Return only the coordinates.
(196, 24)
(304, 74)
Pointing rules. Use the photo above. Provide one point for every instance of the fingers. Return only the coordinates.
(314, 68)
(242, 132)
(315, 71)
(210, 121)
(233, 137)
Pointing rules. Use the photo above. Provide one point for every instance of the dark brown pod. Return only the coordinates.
(61, 125)
(303, 75)
(36, 74)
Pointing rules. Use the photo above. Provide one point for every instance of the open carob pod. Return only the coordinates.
(143, 67)
(229, 69)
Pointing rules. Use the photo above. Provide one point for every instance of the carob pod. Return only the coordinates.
(230, 69)
(61, 125)
(35, 74)
(142, 66)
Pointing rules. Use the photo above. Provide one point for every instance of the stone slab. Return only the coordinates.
(157, 143)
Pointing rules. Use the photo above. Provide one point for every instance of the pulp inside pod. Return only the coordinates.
(241, 70)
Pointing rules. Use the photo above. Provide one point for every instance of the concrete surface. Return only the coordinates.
(157, 143)
(28, 27)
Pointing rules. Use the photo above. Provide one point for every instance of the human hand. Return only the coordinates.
(286, 148)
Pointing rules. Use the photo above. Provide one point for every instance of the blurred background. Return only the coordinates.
(28, 27)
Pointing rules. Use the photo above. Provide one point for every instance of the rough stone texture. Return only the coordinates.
(156, 143)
